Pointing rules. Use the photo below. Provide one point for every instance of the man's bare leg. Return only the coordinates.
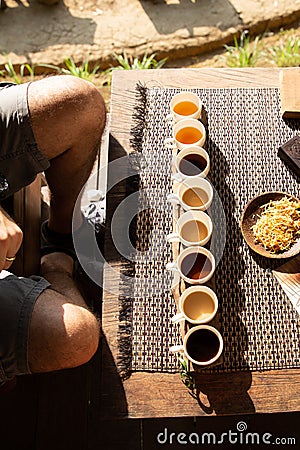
(63, 332)
(68, 118)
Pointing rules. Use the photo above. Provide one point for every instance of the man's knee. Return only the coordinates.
(91, 101)
(73, 110)
(78, 342)
(62, 335)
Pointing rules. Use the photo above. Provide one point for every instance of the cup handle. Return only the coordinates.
(177, 177)
(177, 318)
(173, 237)
(176, 349)
(172, 266)
(198, 114)
(170, 143)
(170, 119)
(173, 198)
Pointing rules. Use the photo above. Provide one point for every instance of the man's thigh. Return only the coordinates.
(17, 300)
(20, 157)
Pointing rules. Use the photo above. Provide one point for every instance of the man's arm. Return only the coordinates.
(10, 240)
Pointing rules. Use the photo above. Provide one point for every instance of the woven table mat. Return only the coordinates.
(260, 328)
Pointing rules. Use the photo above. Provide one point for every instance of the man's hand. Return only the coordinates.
(10, 240)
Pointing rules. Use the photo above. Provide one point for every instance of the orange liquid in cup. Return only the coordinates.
(185, 108)
(188, 135)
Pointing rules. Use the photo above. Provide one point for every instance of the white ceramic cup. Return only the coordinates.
(192, 194)
(183, 105)
(202, 345)
(192, 161)
(192, 228)
(186, 132)
(195, 265)
(197, 305)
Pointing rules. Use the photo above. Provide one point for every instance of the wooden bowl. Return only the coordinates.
(249, 217)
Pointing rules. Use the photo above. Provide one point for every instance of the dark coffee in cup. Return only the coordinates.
(192, 164)
(202, 345)
(196, 266)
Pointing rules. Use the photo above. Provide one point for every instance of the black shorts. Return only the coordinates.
(20, 158)
(17, 300)
(20, 161)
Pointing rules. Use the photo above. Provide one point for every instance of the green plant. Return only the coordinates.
(29, 69)
(245, 53)
(82, 71)
(131, 63)
(287, 54)
(10, 71)
(185, 376)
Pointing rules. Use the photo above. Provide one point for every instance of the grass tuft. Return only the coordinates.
(131, 63)
(81, 71)
(287, 53)
(244, 53)
(26, 70)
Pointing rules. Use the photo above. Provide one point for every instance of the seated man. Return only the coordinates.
(52, 125)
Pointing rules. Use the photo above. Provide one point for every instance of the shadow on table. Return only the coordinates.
(227, 393)
(122, 243)
(188, 15)
(226, 385)
(113, 403)
(122, 181)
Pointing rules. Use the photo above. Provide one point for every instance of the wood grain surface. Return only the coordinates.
(290, 93)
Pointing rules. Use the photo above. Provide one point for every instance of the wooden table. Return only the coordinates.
(164, 395)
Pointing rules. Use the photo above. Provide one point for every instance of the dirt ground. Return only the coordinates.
(271, 39)
(191, 33)
(35, 33)
(217, 58)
